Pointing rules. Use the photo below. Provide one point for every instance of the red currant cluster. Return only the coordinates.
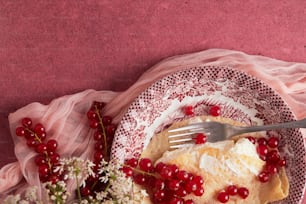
(104, 131)
(103, 135)
(232, 190)
(166, 183)
(213, 110)
(47, 157)
(267, 150)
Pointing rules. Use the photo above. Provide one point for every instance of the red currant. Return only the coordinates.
(262, 141)
(41, 148)
(26, 122)
(232, 190)
(243, 192)
(110, 129)
(263, 177)
(127, 170)
(54, 178)
(173, 184)
(273, 142)
(270, 168)
(98, 135)
(159, 195)
(42, 135)
(133, 162)
(174, 168)
(99, 146)
(43, 170)
(159, 184)
(273, 157)
(176, 200)
(191, 186)
(54, 158)
(39, 128)
(199, 191)
(189, 201)
(262, 150)
(107, 120)
(98, 105)
(215, 110)
(40, 159)
(145, 164)
(188, 110)
(166, 173)
(92, 115)
(139, 179)
(29, 135)
(20, 131)
(198, 179)
(159, 166)
(263, 157)
(181, 192)
(52, 145)
(200, 138)
(182, 175)
(32, 142)
(282, 162)
(85, 191)
(93, 124)
(98, 156)
(251, 139)
(223, 196)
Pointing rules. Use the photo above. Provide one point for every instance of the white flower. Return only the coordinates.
(12, 199)
(120, 188)
(76, 168)
(31, 193)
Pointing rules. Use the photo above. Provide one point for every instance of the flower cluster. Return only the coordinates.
(79, 170)
(29, 197)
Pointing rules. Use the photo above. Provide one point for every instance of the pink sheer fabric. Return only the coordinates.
(65, 117)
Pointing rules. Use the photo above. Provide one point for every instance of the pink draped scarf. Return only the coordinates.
(65, 117)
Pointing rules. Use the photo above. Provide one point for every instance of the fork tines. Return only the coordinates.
(183, 136)
(180, 140)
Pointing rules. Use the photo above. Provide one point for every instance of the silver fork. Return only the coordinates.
(216, 131)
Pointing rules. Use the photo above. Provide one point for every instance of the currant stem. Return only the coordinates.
(48, 160)
(103, 130)
(140, 171)
(35, 135)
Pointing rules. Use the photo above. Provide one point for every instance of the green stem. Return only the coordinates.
(78, 188)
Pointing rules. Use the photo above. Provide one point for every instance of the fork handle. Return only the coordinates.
(291, 124)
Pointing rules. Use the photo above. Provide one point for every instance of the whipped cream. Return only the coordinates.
(243, 147)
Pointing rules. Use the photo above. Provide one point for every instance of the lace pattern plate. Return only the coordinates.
(240, 96)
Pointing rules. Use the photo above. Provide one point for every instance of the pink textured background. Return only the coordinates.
(49, 48)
